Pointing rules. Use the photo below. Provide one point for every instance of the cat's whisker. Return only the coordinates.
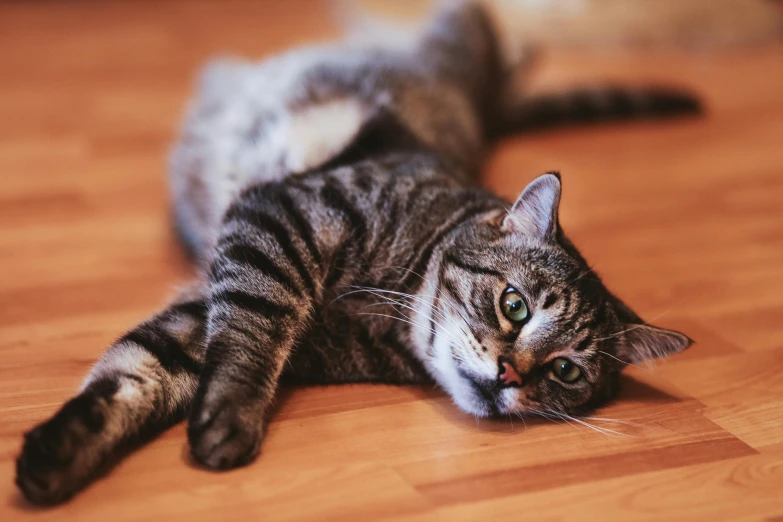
(580, 276)
(451, 322)
(568, 421)
(604, 431)
(391, 302)
(546, 416)
(583, 421)
(410, 271)
(441, 296)
(345, 294)
(618, 359)
(616, 421)
(464, 325)
(558, 416)
(455, 307)
(376, 291)
(621, 332)
(397, 319)
(520, 415)
(411, 322)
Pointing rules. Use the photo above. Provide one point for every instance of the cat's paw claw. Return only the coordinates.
(222, 440)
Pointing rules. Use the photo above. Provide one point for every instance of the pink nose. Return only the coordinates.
(508, 375)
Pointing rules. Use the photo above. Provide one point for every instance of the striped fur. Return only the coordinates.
(327, 195)
(601, 103)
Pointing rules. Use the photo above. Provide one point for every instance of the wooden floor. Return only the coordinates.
(684, 220)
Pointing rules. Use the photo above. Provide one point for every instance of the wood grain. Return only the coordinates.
(683, 219)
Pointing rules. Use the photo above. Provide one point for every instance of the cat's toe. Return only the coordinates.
(223, 439)
(43, 466)
(59, 455)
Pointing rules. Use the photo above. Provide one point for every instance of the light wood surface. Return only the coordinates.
(683, 219)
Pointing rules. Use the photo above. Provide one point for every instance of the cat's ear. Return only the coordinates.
(535, 211)
(644, 342)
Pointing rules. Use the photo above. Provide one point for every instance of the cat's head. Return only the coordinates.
(524, 325)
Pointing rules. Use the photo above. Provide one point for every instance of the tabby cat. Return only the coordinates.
(328, 197)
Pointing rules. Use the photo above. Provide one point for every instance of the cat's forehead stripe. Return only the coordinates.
(549, 301)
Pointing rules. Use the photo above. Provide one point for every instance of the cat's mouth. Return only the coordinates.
(486, 393)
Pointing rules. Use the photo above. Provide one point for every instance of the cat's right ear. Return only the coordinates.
(643, 342)
(534, 213)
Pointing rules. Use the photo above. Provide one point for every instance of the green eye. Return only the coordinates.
(565, 370)
(513, 306)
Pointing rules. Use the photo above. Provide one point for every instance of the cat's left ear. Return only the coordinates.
(643, 342)
(535, 211)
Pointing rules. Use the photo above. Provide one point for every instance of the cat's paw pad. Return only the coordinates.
(223, 439)
(54, 461)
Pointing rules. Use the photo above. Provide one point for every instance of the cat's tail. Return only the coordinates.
(598, 104)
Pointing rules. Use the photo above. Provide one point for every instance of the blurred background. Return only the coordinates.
(682, 218)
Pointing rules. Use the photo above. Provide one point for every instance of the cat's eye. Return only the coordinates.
(565, 370)
(513, 306)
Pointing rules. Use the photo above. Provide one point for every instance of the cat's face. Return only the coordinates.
(523, 324)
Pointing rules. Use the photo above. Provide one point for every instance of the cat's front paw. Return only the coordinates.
(59, 455)
(222, 437)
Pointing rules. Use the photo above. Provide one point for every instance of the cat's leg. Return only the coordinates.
(465, 44)
(476, 66)
(264, 282)
(142, 385)
(245, 358)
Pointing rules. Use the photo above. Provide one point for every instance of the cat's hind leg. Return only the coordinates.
(466, 42)
(142, 385)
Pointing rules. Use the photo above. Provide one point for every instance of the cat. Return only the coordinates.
(329, 199)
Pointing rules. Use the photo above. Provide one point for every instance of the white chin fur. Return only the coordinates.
(442, 366)
(508, 401)
(444, 369)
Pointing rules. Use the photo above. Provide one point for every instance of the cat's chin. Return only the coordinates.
(480, 407)
(471, 392)
(476, 406)
(480, 401)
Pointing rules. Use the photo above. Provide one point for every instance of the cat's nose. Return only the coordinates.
(507, 374)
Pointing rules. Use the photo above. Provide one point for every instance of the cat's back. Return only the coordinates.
(394, 203)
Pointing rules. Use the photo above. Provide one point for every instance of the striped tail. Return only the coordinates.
(590, 105)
